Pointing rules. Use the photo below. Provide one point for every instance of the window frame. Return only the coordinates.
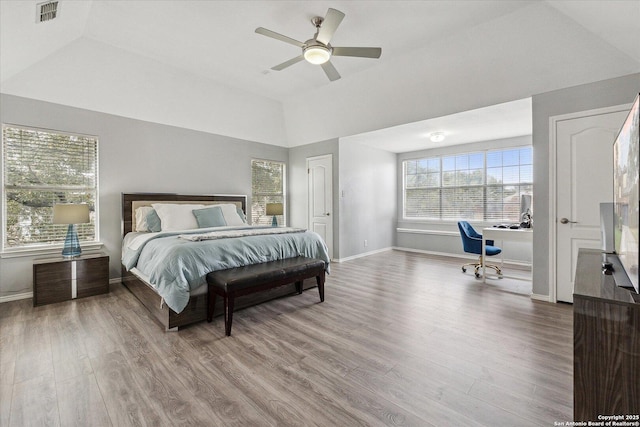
(283, 195)
(46, 248)
(485, 185)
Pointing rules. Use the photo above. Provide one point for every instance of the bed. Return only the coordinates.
(167, 302)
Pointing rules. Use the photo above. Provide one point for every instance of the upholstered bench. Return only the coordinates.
(238, 281)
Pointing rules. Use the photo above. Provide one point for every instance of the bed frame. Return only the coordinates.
(196, 309)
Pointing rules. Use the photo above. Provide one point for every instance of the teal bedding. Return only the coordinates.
(176, 266)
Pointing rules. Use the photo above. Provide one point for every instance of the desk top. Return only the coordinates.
(508, 233)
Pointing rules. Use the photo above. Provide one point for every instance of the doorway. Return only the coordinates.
(320, 210)
(583, 180)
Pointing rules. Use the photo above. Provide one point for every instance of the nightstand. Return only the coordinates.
(61, 279)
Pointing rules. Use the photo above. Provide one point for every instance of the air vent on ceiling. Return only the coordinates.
(46, 11)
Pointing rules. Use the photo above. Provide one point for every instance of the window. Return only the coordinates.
(42, 168)
(483, 186)
(267, 186)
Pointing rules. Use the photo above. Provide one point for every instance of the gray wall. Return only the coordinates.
(606, 93)
(444, 237)
(364, 195)
(367, 199)
(298, 185)
(136, 156)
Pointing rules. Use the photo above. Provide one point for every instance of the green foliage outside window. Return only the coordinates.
(42, 168)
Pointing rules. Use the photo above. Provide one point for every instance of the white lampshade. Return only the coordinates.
(70, 213)
(317, 54)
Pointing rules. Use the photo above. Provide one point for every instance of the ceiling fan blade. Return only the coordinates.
(330, 71)
(277, 36)
(288, 63)
(360, 52)
(329, 25)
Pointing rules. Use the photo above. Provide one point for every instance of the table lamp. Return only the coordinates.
(72, 214)
(274, 209)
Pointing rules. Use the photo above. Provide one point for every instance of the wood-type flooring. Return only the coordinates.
(401, 339)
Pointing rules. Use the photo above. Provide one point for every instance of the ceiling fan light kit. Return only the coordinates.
(317, 50)
(317, 54)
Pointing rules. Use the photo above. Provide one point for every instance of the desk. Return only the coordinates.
(494, 233)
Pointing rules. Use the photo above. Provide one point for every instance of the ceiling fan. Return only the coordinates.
(317, 50)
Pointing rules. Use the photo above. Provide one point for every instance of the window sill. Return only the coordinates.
(433, 232)
(48, 250)
(449, 222)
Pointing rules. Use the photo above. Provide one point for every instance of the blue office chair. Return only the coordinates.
(472, 243)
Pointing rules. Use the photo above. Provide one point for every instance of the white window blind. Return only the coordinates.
(484, 186)
(267, 186)
(42, 168)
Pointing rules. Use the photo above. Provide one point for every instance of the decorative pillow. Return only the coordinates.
(142, 219)
(153, 221)
(209, 217)
(176, 216)
(230, 213)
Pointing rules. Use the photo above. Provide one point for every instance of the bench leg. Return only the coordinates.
(212, 304)
(299, 287)
(320, 282)
(228, 314)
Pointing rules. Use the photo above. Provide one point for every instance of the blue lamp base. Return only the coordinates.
(71, 243)
(274, 221)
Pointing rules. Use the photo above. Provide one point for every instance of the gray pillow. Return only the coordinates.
(209, 217)
(153, 221)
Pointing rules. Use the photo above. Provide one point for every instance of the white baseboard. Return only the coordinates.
(539, 297)
(115, 281)
(349, 258)
(16, 297)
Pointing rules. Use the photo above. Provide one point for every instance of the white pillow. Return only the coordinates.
(230, 214)
(141, 218)
(176, 216)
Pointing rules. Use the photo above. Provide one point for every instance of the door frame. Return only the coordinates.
(333, 208)
(553, 202)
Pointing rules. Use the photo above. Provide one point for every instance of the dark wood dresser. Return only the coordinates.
(60, 279)
(606, 339)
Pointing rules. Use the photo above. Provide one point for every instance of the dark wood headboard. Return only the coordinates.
(129, 198)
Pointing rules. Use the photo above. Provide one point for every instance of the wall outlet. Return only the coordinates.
(365, 243)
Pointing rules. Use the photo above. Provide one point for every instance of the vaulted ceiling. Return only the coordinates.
(200, 65)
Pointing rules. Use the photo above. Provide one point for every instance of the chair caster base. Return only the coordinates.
(477, 267)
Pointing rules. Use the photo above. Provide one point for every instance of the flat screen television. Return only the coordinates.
(626, 197)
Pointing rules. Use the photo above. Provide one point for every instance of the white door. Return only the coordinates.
(584, 179)
(320, 176)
